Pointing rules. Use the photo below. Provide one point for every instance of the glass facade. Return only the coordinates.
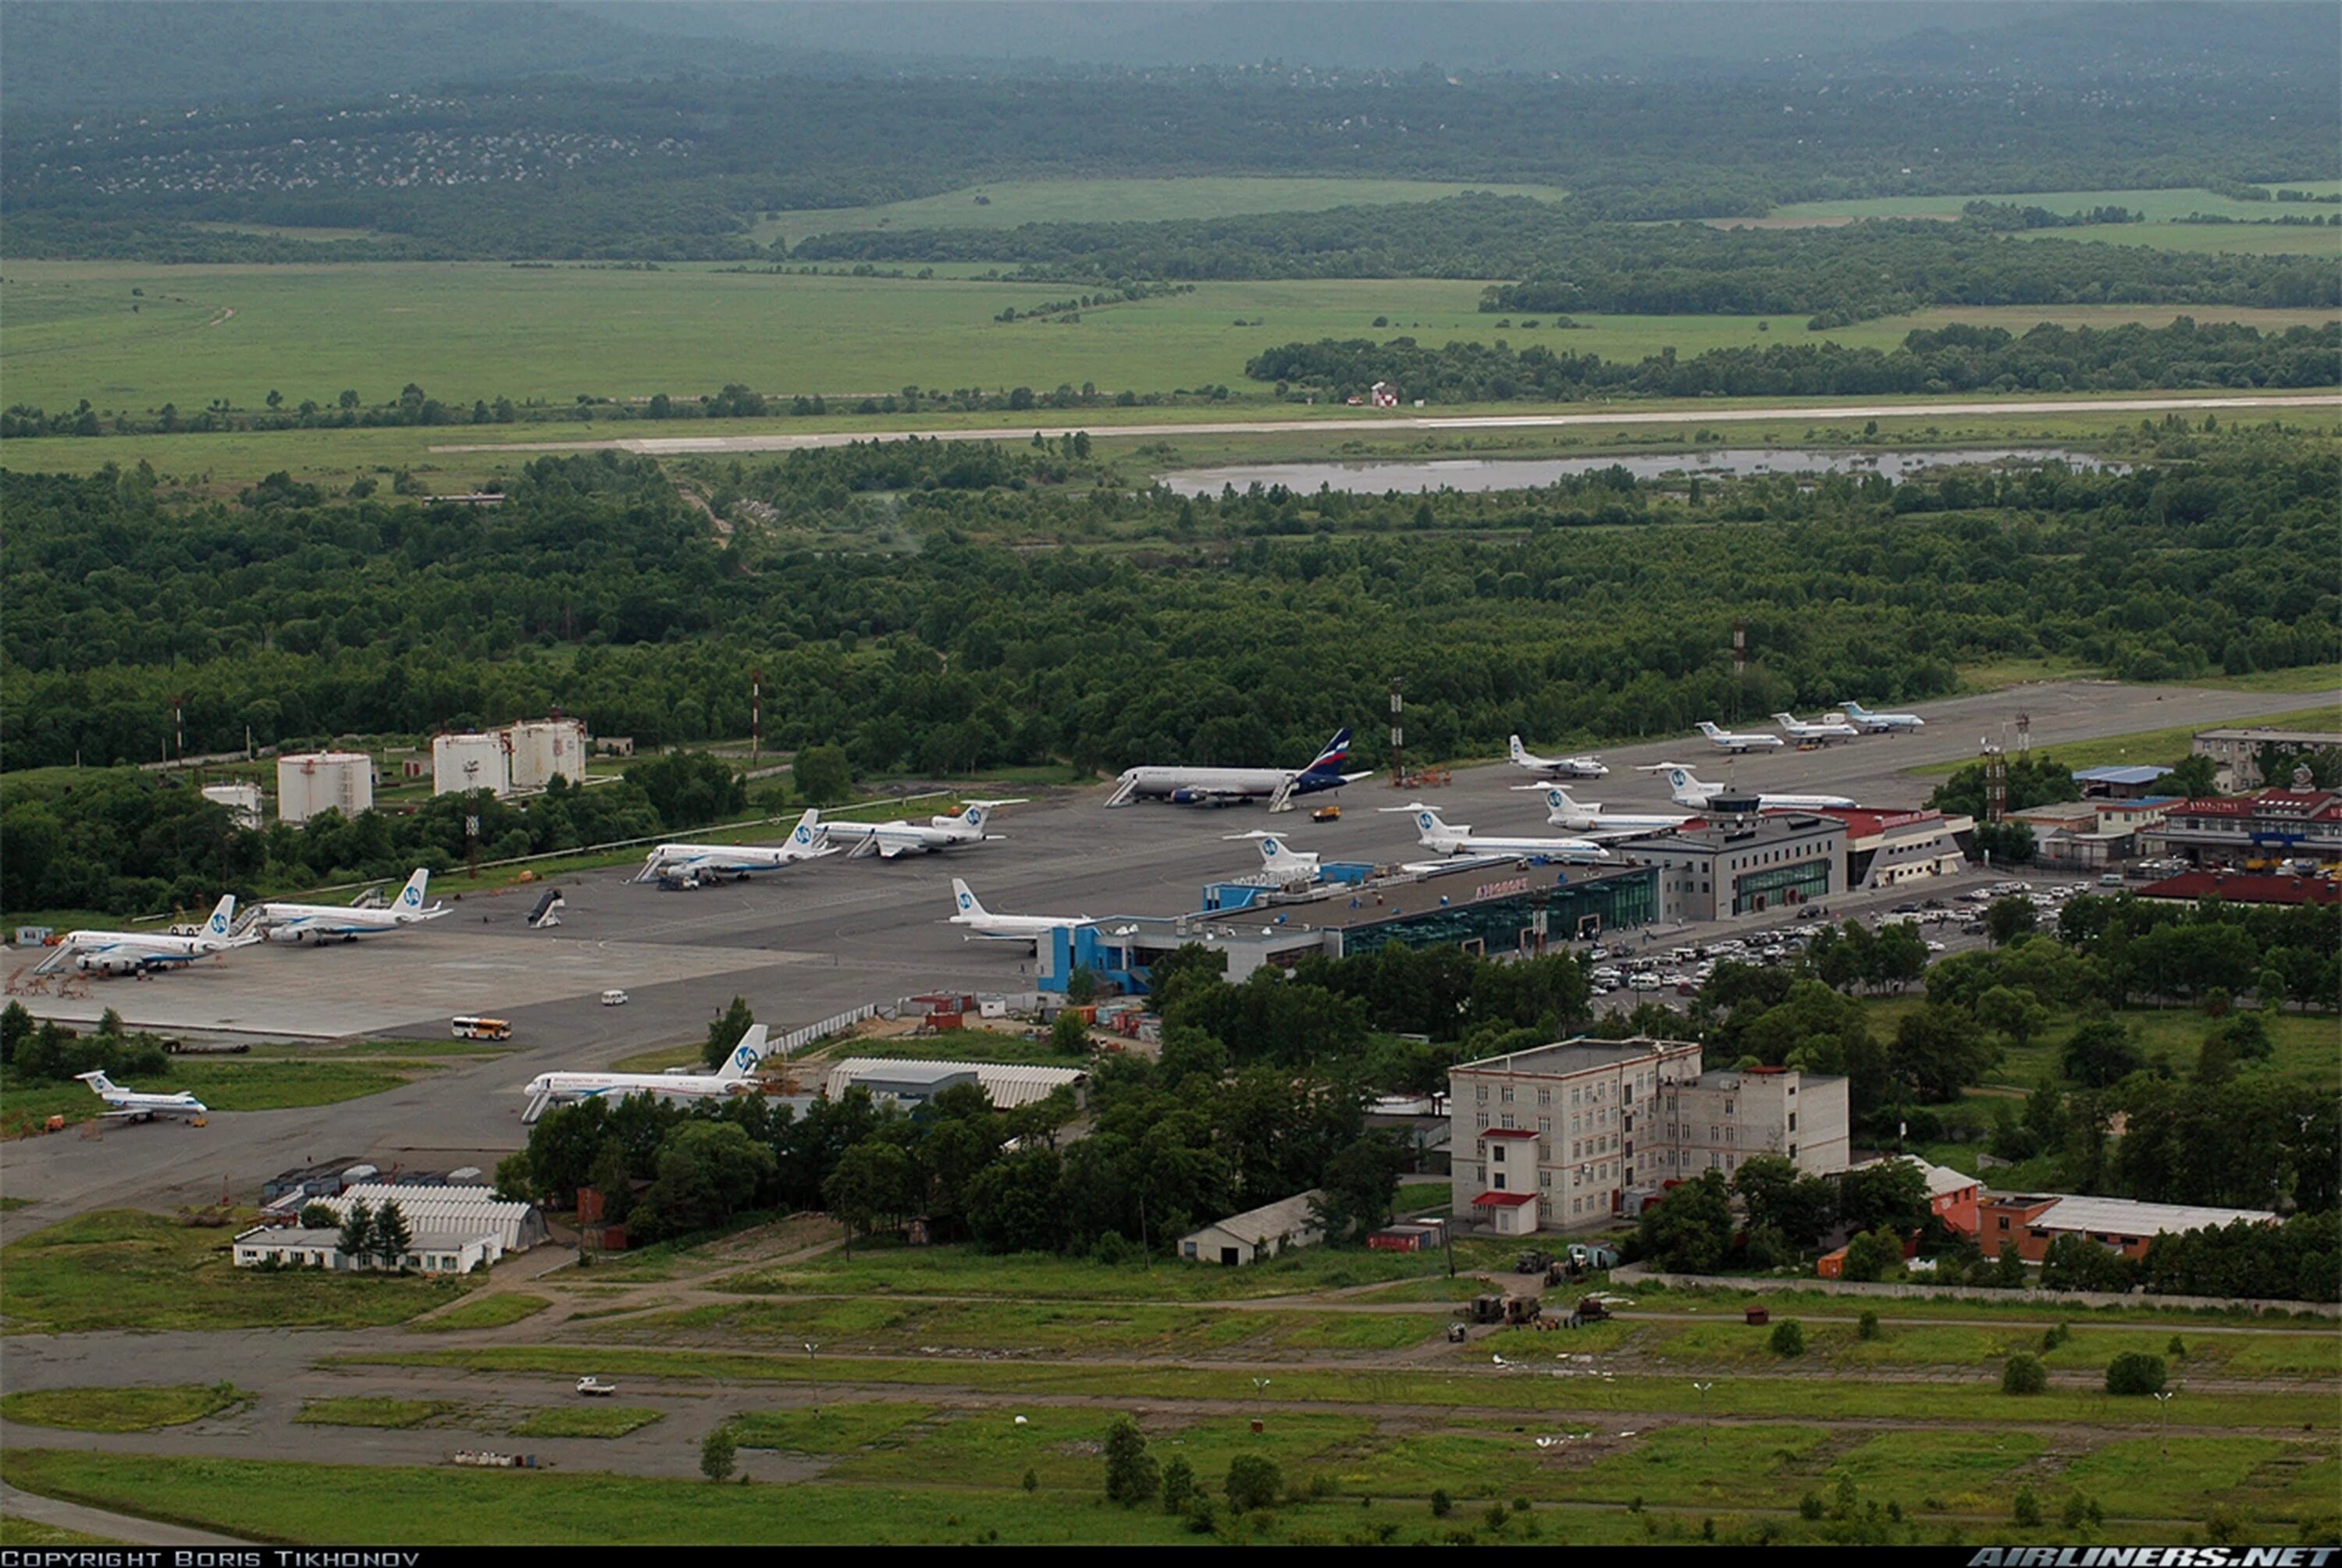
(1780, 884)
(1508, 923)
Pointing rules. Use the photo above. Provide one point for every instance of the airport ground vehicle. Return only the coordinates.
(614, 999)
(471, 1027)
(1327, 814)
(595, 1388)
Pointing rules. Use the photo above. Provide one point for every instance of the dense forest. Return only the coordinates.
(920, 636)
(1570, 263)
(657, 170)
(2049, 358)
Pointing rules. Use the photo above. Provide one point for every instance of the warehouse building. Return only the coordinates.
(1887, 849)
(451, 1211)
(427, 1252)
(1007, 1084)
(2035, 1221)
(1256, 1233)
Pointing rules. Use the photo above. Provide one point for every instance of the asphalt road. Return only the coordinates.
(813, 940)
(676, 445)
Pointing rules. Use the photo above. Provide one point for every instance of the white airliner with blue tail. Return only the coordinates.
(1742, 741)
(889, 839)
(129, 951)
(1881, 724)
(1449, 839)
(548, 1090)
(1599, 821)
(1697, 793)
(982, 924)
(130, 1105)
(346, 921)
(806, 841)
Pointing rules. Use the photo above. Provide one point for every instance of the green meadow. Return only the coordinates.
(2156, 205)
(1007, 205)
(467, 331)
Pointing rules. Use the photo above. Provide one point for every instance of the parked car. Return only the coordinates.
(1327, 814)
(614, 999)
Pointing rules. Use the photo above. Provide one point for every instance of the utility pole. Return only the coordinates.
(755, 715)
(1398, 732)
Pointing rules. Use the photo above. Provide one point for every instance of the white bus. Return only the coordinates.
(469, 1028)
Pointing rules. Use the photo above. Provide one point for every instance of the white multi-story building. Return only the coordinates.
(1577, 1134)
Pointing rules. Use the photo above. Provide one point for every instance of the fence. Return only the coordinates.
(797, 1039)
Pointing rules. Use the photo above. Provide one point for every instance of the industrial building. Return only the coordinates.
(1008, 1086)
(2132, 782)
(242, 800)
(474, 1211)
(310, 784)
(2035, 1221)
(1581, 1134)
(2239, 751)
(1256, 1233)
(427, 1252)
(1742, 864)
(1887, 849)
(516, 759)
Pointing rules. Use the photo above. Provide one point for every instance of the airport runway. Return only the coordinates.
(813, 940)
(681, 445)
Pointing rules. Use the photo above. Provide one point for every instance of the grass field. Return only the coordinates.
(395, 1415)
(2155, 205)
(1014, 201)
(118, 1268)
(485, 1312)
(120, 1409)
(16, 1532)
(236, 1085)
(586, 1421)
(473, 331)
(2168, 745)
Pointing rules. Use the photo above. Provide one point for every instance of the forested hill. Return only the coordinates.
(1243, 630)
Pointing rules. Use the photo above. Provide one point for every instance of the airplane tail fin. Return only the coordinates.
(1514, 747)
(745, 1056)
(98, 1082)
(1336, 752)
(1708, 729)
(964, 898)
(222, 917)
(807, 829)
(410, 897)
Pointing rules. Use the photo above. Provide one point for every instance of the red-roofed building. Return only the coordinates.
(1887, 848)
(2247, 888)
(1506, 1214)
(2274, 824)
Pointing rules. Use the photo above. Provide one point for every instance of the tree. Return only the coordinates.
(1938, 1051)
(874, 1182)
(1889, 1195)
(1689, 1230)
(610, 1177)
(2100, 1053)
(719, 1455)
(2134, 1372)
(823, 775)
(1179, 1484)
(2014, 1012)
(2006, 919)
(392, 1235)
(2077, 1263)
(1788, 1338)
(2023, 1373)
(356, 1241)
(1874, 1255)
(16, 1026)
(1778, 1196)
(1131, 1474)
(1254, 1481)
(725, 1032)
(318, 1216)
(1068, 1035)
(1361, 1183)
(2193, 777)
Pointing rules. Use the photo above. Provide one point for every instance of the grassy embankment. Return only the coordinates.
(119, 1268)
(2168, 745)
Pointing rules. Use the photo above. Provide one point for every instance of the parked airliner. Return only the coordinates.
(1882, 724)
(1183, 785)
(130, 1105)
(550, 1089)
(806, 841)
(128, 952)
(1584, 767)
(1693, 792)
(1455, 839)
(1727, 741)
(1601, 824)
(1280, 863)
(1824, 730)
(983, 925)
(325, 922)
(890, 839)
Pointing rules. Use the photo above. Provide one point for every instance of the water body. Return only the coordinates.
(1475, 474)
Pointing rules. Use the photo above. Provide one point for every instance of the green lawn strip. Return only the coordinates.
(962, 1045)
(235, 1084)
(2043, 1309)
(702, 1252)
(899, 1324)
(964, 1271)
(586, 1421)
(395, 1414)
(120, 1409)
(1706, 1467)
(485, 1312)
(2089, 1349)
(119, 1268)
(1939, 1472)
(1529, 1390)
(843, 1428)
(16, 1532)
(2162, 746)
(2134, 1476)
(10, 1205)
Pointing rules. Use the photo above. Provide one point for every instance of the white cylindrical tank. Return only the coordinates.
(468, 762)
(543, 749)
(243, 800)
(310, 783)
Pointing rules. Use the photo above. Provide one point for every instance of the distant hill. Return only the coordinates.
(67, 56)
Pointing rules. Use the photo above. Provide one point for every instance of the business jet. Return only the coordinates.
(129, 1105)
(323, 922)
(889, 839)
(1226, 787)
(1692, 792)
(1879, 724)
(1727, 741)
(1448, 839)
(806, 841)
(1599, 823)
(1824, 730)
(985, 925)
(548, 1090)
(128, 951)
(1586, 767)
(1281, 864)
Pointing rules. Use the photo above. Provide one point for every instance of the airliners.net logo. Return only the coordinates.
(2153, 1557)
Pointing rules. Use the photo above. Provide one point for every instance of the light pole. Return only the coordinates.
(2163, 1398)
(1259, 1393)
(811, 1346)
(1702, 1388)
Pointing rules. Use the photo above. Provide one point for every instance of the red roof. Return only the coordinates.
(1503, 1200)
(1862, 823)
(2247, 888)
(1506, 1132)
(2320, 805)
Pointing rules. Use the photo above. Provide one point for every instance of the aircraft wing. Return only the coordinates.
(1460, 862)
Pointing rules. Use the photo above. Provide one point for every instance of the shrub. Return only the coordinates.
(1442, 1505)
(1254, 1481)
(2056, 1335)
(2134, 1373)
(1132, 1476)
(1178, 1485)
(2025, 1508)
(1788, 1338)
(717, 1456)
(2024, 1373)
(1809, 1506)
(2178, 1349)
(1866, 1327)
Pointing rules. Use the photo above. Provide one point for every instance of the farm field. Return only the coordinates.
(2155, 205)
(468, 331)
(1013, 202)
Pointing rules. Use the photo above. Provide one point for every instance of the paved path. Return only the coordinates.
(676, 445)
(107, 1526)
